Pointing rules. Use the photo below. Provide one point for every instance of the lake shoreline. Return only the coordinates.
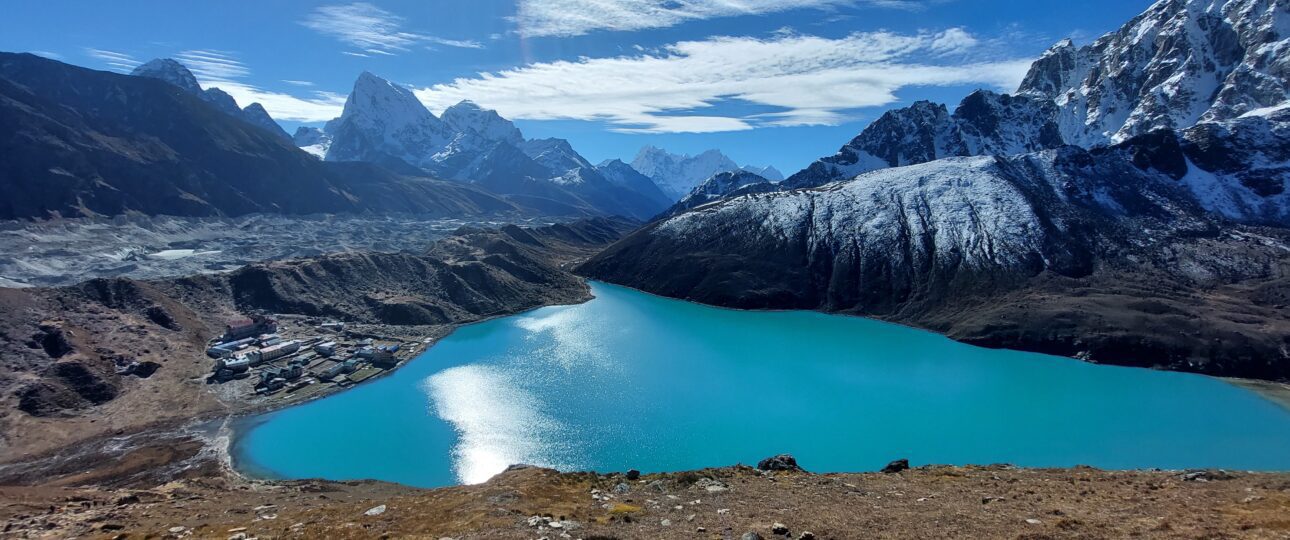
(1061, 383)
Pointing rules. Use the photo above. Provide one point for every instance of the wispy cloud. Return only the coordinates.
(372, 30)
(461, 44)
(806, 80)
(224, 70)
(316, 106)
(48, 54)
(536, 18)
(116, 61)
(212, 65)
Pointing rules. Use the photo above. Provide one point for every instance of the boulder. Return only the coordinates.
(782, 462)
(896, 466)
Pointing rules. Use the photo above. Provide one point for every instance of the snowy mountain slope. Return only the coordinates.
(1240, 168)
(618, 172)
(984, 123)
(722, 185)
(1195, 66)
(557, 155)
(768, 172)
(1178, 63)
(171, 71)
(175, 73)
(312, 140)
(467, 117)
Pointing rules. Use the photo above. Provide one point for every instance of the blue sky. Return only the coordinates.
(777, 82)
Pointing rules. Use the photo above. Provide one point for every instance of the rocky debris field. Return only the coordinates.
(115, 356)
(738, 502)
(68, 251)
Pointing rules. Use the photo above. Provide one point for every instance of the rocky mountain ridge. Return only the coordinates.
(720, 186)
(1188, 66)
(175, 73)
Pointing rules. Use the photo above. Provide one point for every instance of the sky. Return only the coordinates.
(768, 82)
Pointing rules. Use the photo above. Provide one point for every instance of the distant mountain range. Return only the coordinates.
(82, 142)
(87, 155)
(385, 123)
(678, 174)
(1127, 205)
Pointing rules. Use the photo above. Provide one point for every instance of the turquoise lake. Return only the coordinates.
(633, 381)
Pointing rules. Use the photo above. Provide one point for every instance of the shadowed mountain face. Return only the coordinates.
(84, 142)
(1167, 248)
(175, 73)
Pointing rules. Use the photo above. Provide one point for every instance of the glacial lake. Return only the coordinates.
(634, 381)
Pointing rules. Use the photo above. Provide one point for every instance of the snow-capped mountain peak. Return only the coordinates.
(1178, 63)
(383, 120)
(554, 154)
(171, 71)
(677, 174)
(768, 172)
(377, 101)
(469, 117)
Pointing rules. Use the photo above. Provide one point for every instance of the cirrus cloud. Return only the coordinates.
(804, 80)
(224, 70)
(565, 18)
(373, 30)
(117, 61)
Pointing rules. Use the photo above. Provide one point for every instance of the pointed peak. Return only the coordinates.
(369, 76)
(467, 104)
(651, 149)
(370, 82)
(377, 96)
(171, 71)
(256, 108)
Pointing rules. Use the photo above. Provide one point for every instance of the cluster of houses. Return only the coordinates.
(252, 345)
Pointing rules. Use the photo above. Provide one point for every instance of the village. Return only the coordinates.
(260, 358)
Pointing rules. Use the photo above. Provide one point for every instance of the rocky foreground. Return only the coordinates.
(727, 503)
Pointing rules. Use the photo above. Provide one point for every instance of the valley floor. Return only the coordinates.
(926, 502)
